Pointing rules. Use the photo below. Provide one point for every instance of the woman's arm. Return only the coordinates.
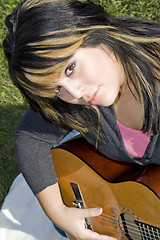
(33, 141)
(69, 219)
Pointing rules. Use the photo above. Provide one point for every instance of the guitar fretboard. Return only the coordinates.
(148, 232)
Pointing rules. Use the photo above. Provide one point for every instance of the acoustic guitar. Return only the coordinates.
(129, 194)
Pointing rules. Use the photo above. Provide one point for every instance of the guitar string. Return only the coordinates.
(113, 218)
(138, 233)
(141, 234)
(131, 227)
(135, 233)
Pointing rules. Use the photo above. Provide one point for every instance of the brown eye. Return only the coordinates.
(57, 90)
(69, 70)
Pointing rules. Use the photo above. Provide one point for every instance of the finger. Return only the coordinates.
(90, 212)
(97, 236)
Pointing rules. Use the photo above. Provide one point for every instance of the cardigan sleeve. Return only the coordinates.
(34, 139)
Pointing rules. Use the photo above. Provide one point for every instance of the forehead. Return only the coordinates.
(83, 53)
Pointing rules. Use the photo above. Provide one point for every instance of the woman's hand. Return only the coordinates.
(75, 224)
(69, 219)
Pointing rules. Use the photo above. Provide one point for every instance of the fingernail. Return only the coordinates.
(98, 211)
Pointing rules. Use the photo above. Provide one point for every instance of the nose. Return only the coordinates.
(73, 88)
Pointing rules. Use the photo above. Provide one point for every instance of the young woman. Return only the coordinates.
(80, 69)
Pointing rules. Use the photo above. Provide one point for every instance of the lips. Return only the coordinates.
(95, 97)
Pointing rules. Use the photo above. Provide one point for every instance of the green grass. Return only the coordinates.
(12, 106)
(149, 9)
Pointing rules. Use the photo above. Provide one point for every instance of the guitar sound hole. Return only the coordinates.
(129, 227)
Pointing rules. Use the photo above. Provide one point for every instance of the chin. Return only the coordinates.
(106, 104)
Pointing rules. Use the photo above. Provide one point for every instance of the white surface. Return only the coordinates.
(22, 218)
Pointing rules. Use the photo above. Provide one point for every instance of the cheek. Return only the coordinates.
(91, 70)
(90, 75)
(65, 96)
(109, 96)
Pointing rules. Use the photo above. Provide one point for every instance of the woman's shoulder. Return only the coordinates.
(34, 125)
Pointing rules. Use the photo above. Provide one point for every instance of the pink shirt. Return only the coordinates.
(135, 141)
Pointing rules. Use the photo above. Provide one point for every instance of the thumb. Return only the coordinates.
(91, 212)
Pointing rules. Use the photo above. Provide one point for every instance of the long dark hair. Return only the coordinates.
(43, 36)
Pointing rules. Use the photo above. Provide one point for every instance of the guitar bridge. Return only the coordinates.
(78, 202)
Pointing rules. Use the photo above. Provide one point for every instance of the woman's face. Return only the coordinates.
(92, 76)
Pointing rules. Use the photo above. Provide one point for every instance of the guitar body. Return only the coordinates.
(128, 194)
